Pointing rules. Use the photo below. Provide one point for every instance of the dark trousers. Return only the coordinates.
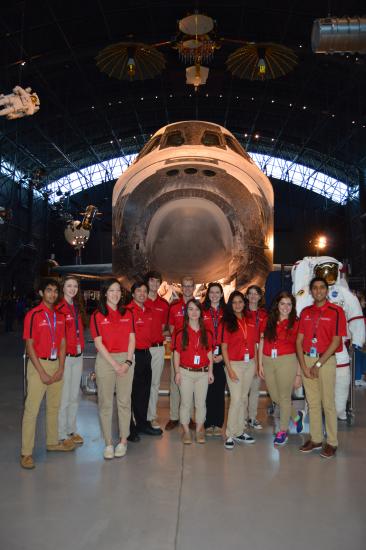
(215, 401)
(140, 390)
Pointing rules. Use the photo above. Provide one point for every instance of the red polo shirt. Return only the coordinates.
(114, 328)
(72, 338)
(160, 311)
(259, 318)
(176, 314)
(43, 326)
(322, 323)
(213, 322)
(143, 321)
(285, 341)
(241, 341)
(194, 348)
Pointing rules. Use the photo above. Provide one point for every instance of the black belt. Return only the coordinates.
(156, 345)
(47, 358)
(72, 355)
(308, 354)
(200, 369)
(143, 349)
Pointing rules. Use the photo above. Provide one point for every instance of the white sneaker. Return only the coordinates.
(342, 416)
(120, 450)
(108, 452)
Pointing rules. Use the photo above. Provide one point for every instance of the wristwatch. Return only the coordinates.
(318, 364)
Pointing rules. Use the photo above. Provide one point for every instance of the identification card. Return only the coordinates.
(53, 353)
(273, 353)
(217, 350)
(246, 357)
(78, 349)
(313, 352)
(197, 360)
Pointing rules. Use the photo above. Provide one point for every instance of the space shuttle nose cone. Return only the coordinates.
(190, 232)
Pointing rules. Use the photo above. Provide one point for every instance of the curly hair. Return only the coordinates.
(206, 304)
(274, 315)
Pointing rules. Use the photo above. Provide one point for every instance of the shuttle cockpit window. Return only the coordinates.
(211, 139)
(150, 146)
(173, 139)
(235, 146)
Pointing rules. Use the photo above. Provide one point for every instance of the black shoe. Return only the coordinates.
(149, 430)
(133, 438)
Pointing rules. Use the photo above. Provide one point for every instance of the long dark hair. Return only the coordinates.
(206, 304)
(230, 319)
(274, 315)
(78, 296)
(185, 335)
(102, 304)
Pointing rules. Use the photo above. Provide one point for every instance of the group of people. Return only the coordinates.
(213, 344)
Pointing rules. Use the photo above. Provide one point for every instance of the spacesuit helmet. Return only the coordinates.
(328, 271)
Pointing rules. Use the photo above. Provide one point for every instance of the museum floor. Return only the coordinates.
(163, 496)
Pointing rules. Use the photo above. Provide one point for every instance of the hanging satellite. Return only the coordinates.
(262, 61)
(130, 61)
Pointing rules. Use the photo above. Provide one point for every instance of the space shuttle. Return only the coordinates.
(193, 203)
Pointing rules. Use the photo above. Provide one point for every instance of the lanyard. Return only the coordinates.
(315, 324)
(215, 316)
(52, 330)
(74, 312)
(244, 331)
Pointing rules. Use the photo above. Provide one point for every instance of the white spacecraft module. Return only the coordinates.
(22, 102)
(193, 202)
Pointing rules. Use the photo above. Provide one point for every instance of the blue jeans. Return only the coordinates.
(360, 364)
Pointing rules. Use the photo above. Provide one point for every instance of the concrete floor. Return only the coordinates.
(163, 496)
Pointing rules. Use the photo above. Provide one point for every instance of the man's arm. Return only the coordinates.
(300, 355)
(45, 378)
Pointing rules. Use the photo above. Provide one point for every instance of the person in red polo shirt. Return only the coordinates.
(111, 327)
(175, 321)
(44, 333)
(72, 307)
(321, 329)
(258, 315)
(213, 310)
(239, 350)
(160, 310)
(278, 363)
(143, 320)
(193, 368)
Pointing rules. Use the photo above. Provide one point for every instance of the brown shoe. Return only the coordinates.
(27, 462)
(171, 425)
(192, 424)
(186, 438)
(210, 431)
(200, 437)
(328, 451)
(76, 438)
(310, 446)
(64, 445)
(217, 431)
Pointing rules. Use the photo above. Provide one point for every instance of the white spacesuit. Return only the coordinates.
(19, 104)
(339, 293)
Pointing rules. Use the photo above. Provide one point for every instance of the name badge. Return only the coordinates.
(78, 349)
(246, 357)
(217, 350)
(197, 360)
(313, 352)
(53, 353)
(273, 353)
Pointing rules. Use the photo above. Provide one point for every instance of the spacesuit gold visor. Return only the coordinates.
(329, 272)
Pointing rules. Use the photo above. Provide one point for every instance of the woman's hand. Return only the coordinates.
(211, 377)
(260, 371)
(178, 378)
(232, 375)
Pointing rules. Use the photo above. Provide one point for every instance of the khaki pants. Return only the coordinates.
(320, 396)
(174, 392)
(70, 396)
(157, 366)
(193, 386)
(35, 393)
(108, 381)
(239, 396)
(280, 375)
(253, 397)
